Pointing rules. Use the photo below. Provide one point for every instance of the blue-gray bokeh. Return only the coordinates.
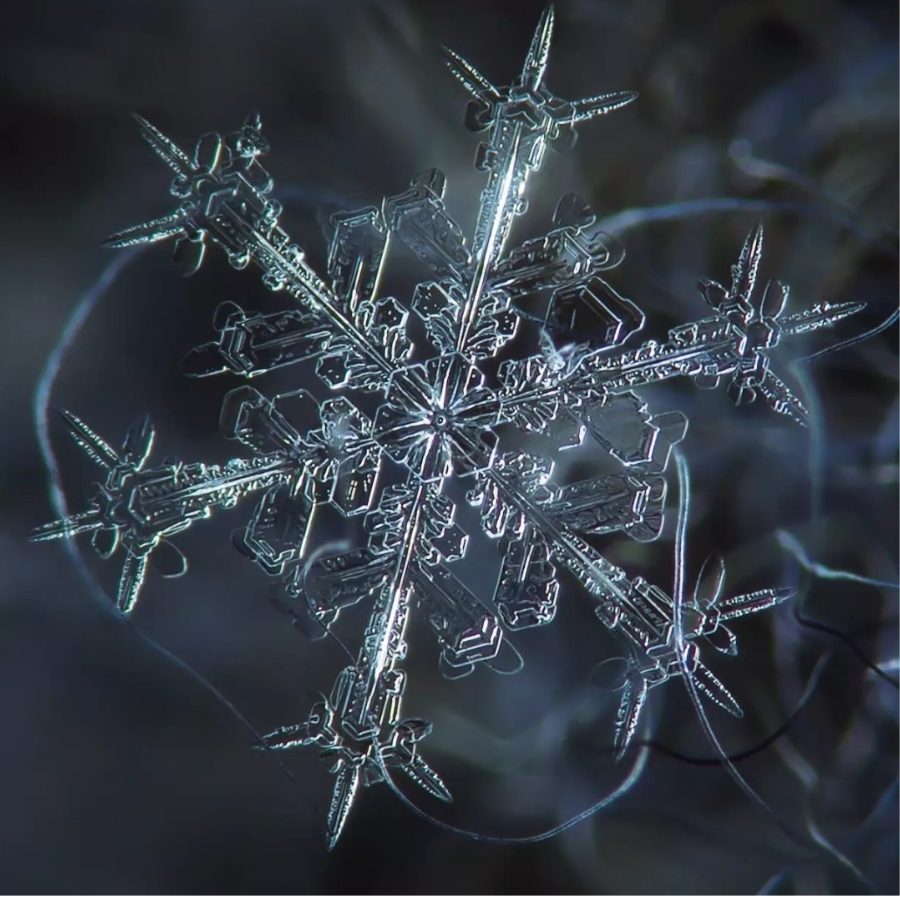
(122, 773)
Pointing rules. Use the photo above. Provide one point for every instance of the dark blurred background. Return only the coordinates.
(121, 773)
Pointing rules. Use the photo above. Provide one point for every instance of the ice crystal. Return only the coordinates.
(437, 419)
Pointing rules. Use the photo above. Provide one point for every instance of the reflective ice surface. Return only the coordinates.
(438, 416)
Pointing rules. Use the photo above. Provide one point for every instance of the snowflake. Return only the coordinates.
(436, 418)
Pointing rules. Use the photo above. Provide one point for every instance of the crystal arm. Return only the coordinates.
(469, 77)
(501, 201)
(735, 342)
(368, 695)
(226, 200)
(384, 641)
(600, 105)
(642, 615)
(522, 119)
(138, 507)
(638, 612)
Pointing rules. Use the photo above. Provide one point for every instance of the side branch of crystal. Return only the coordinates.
(138, 507)
(522, 119)
(435, 418)
(734, 342)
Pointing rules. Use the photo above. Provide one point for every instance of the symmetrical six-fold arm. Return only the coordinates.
(437, 419)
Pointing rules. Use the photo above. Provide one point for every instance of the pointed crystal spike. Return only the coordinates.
(821, 316)
(837, 311)
(469, 77)
(747, 604)
(92, 444)
(175, 158)
(133, 572)
(715, 690)
(83, 522)
(782, 399)
(345, 788)
(744, 272)
(539, 51)
(148, 232)
(423, 775)
(285, 738)
(634, 695)
(591, 107)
